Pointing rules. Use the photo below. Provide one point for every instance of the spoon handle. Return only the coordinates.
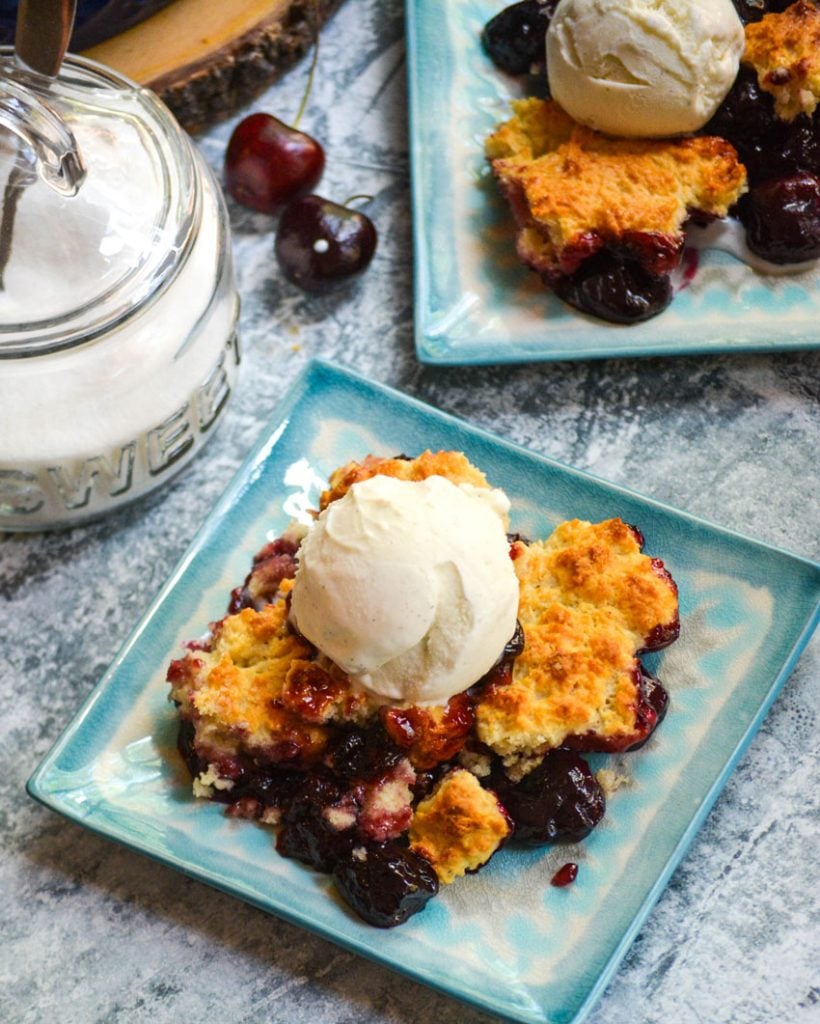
(42, 34)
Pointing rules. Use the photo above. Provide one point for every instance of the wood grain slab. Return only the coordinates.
(208, 58)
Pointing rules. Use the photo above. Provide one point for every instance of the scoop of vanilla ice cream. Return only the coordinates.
(643, 68)
(408, 586)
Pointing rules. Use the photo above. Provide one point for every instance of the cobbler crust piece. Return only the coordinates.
(254, 689)
(629, 194)
(454, 466)
(784, 50)
(590, 600)
(459, 826)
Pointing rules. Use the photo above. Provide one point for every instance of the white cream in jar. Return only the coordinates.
(118, 310)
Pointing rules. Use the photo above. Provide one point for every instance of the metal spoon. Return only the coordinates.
(42, 34)
(41, 39)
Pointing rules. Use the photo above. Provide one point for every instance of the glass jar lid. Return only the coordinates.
(100, 203)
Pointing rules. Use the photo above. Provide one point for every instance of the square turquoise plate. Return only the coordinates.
(475, 302)
(504, 940)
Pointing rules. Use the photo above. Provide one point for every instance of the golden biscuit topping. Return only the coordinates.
(256, 689)
(784, 50)
(589, 601)
(453, 465)
(573, 190)
(459, 826)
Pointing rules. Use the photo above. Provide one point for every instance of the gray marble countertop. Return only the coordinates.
(92, 932)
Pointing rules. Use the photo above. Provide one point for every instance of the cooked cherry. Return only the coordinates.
(746, 113)
(652, 707)
(268, 163)
(314, 841)
(514, 39)
(515, 645)
(426, 780)
(321, 244)
(308, 834)
(767, 146)
(319, 789)
(565, 875)
(363, 754)
(274, 786)
(385, 883)
(782, 219)
(430, 736)
(275, 562)
(800, 150)
(615, 288)
(559, 801)
(754, 10)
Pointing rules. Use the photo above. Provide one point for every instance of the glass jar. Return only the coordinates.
(118, 307)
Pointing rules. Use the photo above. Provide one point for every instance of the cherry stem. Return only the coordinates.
(351, 199)
(314, 8)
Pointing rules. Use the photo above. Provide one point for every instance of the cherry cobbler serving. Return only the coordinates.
(401, 754)
(601, 194)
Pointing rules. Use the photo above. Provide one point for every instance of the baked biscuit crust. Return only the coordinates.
(455, 466)
(459, 826)
(784, 50)
(574, 191)
(590, 600)
(254, 690)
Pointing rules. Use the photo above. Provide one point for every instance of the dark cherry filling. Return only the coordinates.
(654, 703)
(308, 834)
(313, 841)
(273, 786)
(254, 786)
(363, 754)
(385, 883)
(615, 288)
(781, 211)
(754, 10)
(559, 801)
(428, 738)
(746, 113)
(274, 563)
(515, 38)
(515, 645)
(195, 764)
(768, 146)
(661, 636)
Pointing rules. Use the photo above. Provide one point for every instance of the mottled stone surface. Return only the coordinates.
(93, 933)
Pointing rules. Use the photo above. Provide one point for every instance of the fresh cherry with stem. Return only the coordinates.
(269, 163)
(321, 244)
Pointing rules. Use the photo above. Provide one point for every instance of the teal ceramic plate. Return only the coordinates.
(504, 940)
(474, 301)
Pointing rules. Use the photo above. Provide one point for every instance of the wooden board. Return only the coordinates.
(208, 58)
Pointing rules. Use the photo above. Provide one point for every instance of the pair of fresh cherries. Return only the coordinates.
(271, 166)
